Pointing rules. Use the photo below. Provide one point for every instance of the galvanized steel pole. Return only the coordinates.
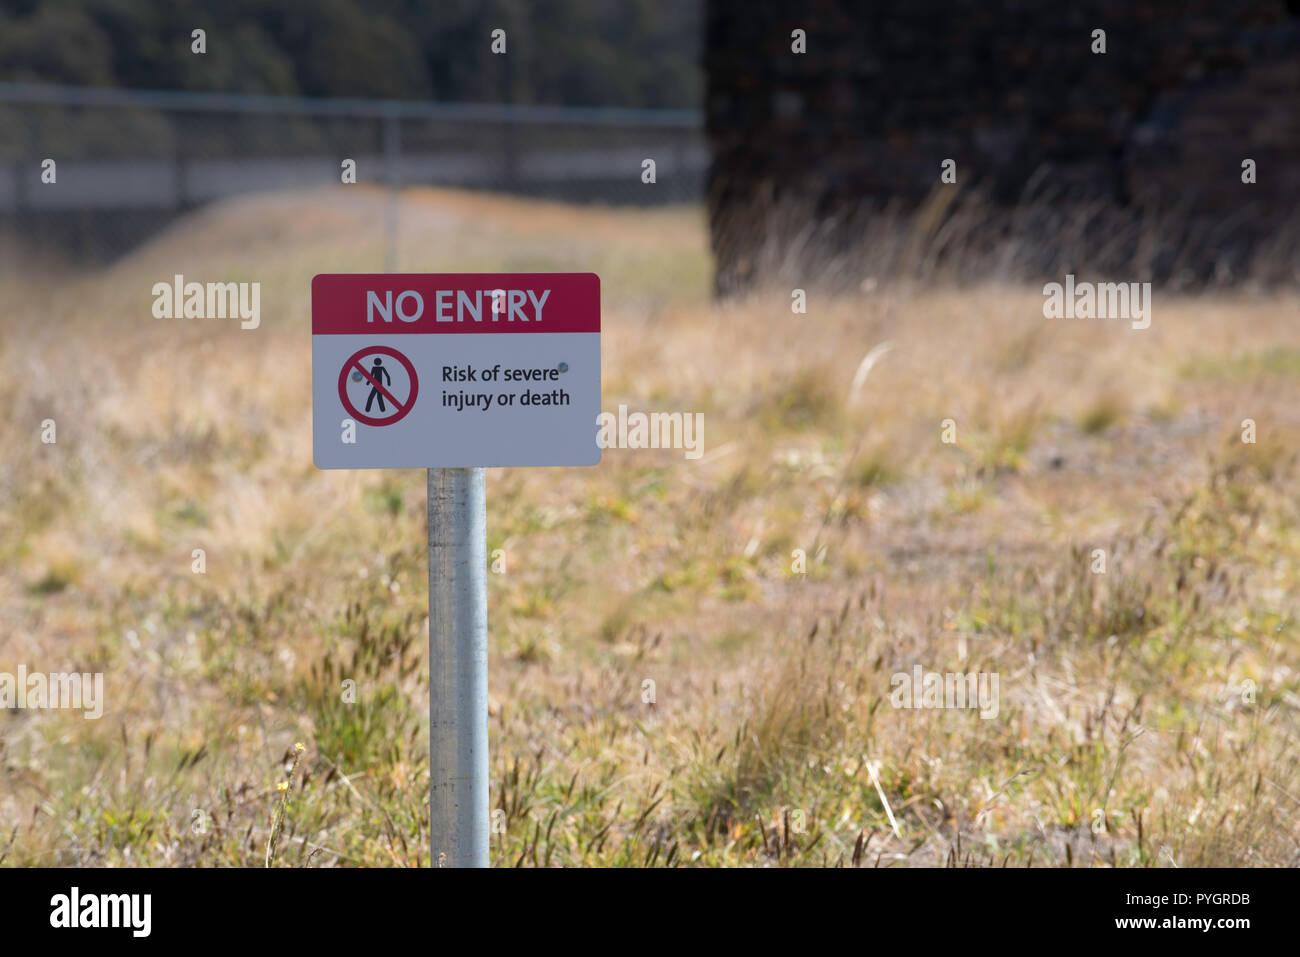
(458, 697)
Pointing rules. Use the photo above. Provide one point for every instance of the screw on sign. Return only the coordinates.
(376, 383)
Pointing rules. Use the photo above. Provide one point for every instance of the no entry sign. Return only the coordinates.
(455, 370)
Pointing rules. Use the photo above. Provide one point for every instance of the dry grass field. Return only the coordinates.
(1147, 716)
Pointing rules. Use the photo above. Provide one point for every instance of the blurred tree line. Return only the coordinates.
(631, 53)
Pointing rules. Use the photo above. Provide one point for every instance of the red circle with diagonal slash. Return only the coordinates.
(353, 363)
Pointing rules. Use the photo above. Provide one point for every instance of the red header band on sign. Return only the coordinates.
(454, 303)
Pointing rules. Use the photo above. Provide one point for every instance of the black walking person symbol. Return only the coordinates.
(393, 405)
(381, 376)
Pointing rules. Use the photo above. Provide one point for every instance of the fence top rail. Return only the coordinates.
(317, 106)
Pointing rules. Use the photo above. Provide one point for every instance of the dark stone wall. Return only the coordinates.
(1131, 158)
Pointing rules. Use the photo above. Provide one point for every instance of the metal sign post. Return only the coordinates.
(458, 696)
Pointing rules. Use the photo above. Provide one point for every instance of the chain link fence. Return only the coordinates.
(129, 161)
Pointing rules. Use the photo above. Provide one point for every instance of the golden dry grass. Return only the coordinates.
(1121, 695)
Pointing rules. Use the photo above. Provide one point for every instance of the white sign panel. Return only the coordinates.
(457, 370)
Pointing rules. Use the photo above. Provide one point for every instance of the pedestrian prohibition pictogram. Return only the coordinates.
(366, 378)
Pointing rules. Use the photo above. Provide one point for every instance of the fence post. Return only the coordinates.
(392, 159)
